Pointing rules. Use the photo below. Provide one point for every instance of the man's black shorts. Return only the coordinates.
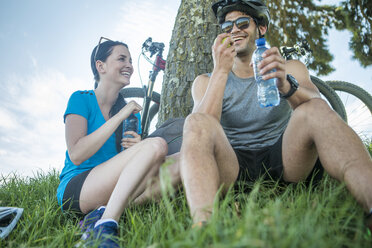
(268, 163)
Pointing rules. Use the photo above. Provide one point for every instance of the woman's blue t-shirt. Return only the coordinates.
(85, 103)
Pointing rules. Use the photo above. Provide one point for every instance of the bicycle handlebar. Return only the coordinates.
(301, 50)
(153, 47)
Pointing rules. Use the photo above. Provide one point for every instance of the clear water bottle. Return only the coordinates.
(267, 91)
(130, 124)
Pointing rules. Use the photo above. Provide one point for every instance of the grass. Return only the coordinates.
(270, 215)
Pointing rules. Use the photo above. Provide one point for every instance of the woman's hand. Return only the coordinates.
(128, 142)
(131, 107)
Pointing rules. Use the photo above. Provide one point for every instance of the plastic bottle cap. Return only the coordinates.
(260, 42)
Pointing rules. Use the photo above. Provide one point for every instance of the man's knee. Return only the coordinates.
(316, 110)
(199, 123)
(199, 129)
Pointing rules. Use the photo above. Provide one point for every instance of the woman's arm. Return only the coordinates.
(81, 146)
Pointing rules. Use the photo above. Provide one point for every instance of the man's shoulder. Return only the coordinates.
(204, 75)
(202, 78)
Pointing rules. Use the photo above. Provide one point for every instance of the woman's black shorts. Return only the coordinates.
(71, 195)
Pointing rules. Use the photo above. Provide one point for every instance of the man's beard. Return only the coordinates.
(248, 50)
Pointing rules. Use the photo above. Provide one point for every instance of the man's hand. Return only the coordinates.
(223, 53)
(273, 60)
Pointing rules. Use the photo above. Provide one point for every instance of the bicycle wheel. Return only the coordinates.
(358, 105)
(134, 92)
(330, 96)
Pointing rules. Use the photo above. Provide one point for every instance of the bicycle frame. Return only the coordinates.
(159, 65)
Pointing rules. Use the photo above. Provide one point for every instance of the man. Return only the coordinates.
(228, 137)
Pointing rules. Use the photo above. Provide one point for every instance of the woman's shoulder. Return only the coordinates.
(83, 93)
(81, 102)
(81, 96)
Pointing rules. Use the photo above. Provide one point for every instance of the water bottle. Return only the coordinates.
(130, 124)
(267, 91)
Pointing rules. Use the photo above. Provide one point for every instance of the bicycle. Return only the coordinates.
(334, 92)
(358, 106)
(147, 92)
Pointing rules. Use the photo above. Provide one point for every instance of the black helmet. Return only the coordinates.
(255, 8)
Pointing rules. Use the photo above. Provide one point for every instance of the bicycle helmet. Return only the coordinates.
(255, 8)
(9, 217)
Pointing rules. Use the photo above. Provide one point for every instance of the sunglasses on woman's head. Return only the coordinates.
(241, 23)
(99, 44)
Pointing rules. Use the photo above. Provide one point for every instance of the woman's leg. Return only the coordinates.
(114, 181)
(153, 189)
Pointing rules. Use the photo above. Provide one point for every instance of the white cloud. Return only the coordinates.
(32, 129)
(140, 21)
(7, 120)
(34, 61)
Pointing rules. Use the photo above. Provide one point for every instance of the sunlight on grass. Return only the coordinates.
(266, 214)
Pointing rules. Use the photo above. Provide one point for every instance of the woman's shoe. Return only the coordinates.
(106, 235)
(87, 224)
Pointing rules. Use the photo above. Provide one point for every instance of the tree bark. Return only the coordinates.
(189, 55)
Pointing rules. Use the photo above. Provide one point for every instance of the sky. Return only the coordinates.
(46, 47)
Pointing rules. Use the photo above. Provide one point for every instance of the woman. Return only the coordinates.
(96, 173)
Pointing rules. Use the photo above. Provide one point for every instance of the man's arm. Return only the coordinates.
(306, 90)
(208, 92)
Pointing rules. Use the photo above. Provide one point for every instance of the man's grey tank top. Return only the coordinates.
(247, 125)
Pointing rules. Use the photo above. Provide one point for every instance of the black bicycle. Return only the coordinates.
(350, 101)
(151, 98)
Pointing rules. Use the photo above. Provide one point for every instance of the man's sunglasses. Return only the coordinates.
(241, 23)
(99, 44)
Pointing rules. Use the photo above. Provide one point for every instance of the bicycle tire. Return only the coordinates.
(331, 96)
(353, 89)
(135, 92)
(154, 109)
(356, 109)
(139, 93)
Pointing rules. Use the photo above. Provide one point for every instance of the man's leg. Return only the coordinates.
(316, 130)
(207, 161)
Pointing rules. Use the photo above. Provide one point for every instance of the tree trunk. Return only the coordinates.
(189, 55)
